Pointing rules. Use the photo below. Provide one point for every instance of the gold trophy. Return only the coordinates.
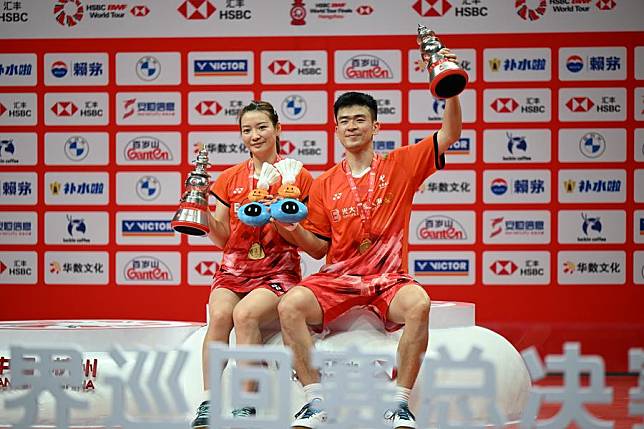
(446, 78)
(192, 216)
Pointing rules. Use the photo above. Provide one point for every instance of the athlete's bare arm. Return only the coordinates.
(451, 126)
(219, 223)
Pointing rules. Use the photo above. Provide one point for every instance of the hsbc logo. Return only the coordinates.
(504, 105)
(364, 10)
(140, 11)
(606, 4)
(503, 267)
(64, 108)
(281, 67)
(197, 9)
(206, 268)
(286, 147)
(579, 104)
(432, 7)
(2, 109)
(3, 267)
(208, 108)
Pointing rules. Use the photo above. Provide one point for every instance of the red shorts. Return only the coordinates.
(278, 283)
(337, 295)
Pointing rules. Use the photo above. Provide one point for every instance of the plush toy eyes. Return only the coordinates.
(288, 210)
(254, 214)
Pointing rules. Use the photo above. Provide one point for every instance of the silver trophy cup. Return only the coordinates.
(446, 78)
(192, 216)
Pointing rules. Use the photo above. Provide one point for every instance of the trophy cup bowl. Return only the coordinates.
(192, 216)
(446, 78)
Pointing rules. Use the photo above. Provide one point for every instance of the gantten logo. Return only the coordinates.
(196, 9)
(141, 10)
(281, 67)
(504, 105)
(432, 7)
(208, 108)
(64, 108)
(580, 104)
(503, 267)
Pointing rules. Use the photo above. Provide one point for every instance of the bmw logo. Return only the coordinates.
(148, 68)
(76, 148)
(148, 188)
(294, 107)
(592, 145)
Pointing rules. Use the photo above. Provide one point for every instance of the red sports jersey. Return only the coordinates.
(232, 188)
(333, 212)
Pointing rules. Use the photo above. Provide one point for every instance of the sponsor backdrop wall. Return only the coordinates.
(538, 217)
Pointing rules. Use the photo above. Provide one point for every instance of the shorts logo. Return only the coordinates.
(276, 286)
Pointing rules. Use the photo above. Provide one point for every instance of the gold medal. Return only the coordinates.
(256, 252)
(364, 245)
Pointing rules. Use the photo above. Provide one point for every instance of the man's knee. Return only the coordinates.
(419, 304)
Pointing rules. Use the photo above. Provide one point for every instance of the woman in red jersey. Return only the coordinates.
(258, 265)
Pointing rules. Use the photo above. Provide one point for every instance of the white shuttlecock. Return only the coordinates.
(267, 176)
(289, 168)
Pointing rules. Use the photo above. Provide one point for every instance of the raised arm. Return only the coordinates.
(452, 123)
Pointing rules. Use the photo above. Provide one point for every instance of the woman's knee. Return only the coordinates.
(244, 317)
(220, 316)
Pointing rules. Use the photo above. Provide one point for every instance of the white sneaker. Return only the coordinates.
(310, 416)
(401, 417)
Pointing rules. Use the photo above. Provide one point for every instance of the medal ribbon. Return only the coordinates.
(364, 206)
(251, 186)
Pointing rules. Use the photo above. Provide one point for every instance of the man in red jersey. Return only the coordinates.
(359, 218)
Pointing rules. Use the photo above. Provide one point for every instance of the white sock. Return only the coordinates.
(402, 395)
(205, 396)
(313, 391)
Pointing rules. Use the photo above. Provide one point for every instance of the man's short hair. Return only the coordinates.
(349, 99)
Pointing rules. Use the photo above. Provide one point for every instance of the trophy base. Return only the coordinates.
(191, 219)
(448, 83)
(190, 228)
